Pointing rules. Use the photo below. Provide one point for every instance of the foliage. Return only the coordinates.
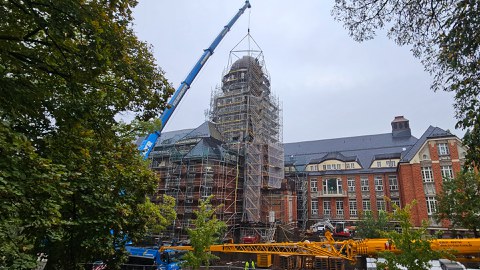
(459, 201)
(69, 172)
(370, 226)
(443, 34)
(414, 244)
(206, 233)
(31, 191)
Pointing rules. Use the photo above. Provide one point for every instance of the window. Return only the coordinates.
(351, 184)
(366, 205)
(443, 149)
(324, 167)
(396, 202)
(393, 182)
(313, 185)
(447, 172)
(352, 204)
(313, 167)
(314, 206)
(339, 204)
(347, 165)
(378, 183)
(364, 184)
(327, 209)
(206, 192)
(329, 166)
(332, 186)
(391, 163)
(381, 206)
(427, 175)
(379, 164)
(431, 205)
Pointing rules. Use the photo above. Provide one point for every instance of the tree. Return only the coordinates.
(70, 173)
(443, 34)
(369, 226)
(206, 233)
(459, 202)
(413, 243)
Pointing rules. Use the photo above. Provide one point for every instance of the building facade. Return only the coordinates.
(340, 178)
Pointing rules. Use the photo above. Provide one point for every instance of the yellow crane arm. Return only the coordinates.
(347, 249)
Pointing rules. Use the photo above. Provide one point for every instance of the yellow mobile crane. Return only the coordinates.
(328, 251)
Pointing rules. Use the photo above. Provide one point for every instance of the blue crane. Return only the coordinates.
(147, 145)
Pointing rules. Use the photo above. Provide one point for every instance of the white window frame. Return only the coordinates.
(351, 184)
(431, 205)
(427, 174)
(381, 205)
(393, 182)
(396, 202)
(339, 188)
(443, 149)
(447, 171)
(340, 207)
(352, 205)
(366, 205)
(314, 206)
(313, 185)
(327, 208)
(364, 184)
(391, 163)
(378, 183)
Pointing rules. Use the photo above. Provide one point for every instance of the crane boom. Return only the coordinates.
(348, 249)
(147, 145)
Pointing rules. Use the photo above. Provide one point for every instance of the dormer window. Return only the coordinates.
(443, 149)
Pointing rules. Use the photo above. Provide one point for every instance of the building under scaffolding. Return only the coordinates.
(194, 164)
(237, 157)
(248, 117)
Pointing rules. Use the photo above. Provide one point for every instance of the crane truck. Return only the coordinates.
(147, 145)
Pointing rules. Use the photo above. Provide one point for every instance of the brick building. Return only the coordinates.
(339, 178)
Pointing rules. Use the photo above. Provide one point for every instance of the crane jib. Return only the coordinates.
(147, 145)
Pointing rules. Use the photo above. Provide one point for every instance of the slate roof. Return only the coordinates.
(430, 133)
(364, 148)
(206, 138)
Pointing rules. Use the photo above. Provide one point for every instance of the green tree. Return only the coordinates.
(70, 173)
(370, 226)
(459, 203)
(206, 233)
(443, 34)
(30, 196)
(414, 243)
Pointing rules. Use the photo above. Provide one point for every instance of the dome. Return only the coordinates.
(245, 62)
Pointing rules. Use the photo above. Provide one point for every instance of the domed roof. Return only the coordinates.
(245, 62)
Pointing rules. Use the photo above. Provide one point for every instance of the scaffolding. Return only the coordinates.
(248, 116)
(193, 167)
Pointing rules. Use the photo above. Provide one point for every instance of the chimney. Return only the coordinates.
(401, 127)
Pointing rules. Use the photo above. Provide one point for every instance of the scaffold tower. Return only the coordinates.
(248, 117)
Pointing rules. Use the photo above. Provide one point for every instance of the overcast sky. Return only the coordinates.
(329, 85)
